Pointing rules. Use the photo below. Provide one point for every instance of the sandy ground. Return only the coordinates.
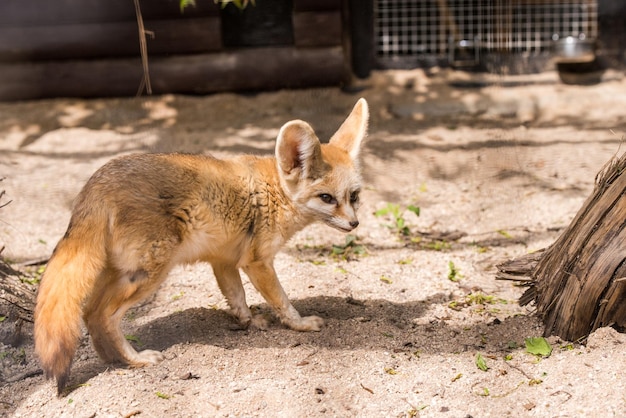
(497, 171)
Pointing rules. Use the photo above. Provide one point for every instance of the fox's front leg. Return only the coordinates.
(229, 281)
(263, 277)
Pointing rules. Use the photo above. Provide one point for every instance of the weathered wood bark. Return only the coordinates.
(244, 69)
(579, 282)
(17, 297)
(108, 39)
(17, 301)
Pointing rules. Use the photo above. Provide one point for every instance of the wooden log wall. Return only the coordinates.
(90, 48)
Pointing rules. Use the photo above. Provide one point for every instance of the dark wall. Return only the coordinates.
(90, 48)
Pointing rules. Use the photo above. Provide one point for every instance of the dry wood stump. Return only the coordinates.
(579, 282)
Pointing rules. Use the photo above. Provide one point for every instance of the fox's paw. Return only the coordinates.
(259, 321)
(255, 321)
(307, 323)
(147, 358)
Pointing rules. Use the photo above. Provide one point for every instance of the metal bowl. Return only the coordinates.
(574, 50)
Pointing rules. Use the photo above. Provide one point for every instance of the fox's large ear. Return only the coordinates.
(298, 151)
(351, 133)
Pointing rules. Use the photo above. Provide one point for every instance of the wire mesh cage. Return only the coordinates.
(477, 32)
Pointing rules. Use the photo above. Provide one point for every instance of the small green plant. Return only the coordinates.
(481, 363)
(437, 245)
(504, 233)
(454, 275)
(349, 250)
(133, 338)
(477, 298)
(396, 213)
(240, 4)
(385, 279)
(538, 346)
(33, 277)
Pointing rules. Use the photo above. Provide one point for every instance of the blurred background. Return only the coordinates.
(91, 48)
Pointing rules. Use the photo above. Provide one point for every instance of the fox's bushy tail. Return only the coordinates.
(68, 281)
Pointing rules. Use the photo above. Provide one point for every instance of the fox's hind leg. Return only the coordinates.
(104, 312)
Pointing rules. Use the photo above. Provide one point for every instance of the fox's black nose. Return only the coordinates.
(354, 224)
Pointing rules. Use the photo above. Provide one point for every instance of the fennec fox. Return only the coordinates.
(140, 215)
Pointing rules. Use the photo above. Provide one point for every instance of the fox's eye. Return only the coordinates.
(326, 198)
(354, 197)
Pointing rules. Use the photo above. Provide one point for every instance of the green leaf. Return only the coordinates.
(414, 209)
(163, 395)
(185, 3)
(481, 363)
(133, 338)
(359, 250)
(381, 212)
(453, 272)
(504, 233)
(350, 240)
(2, 318)
(538, 346)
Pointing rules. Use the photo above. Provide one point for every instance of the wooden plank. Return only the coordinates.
(19, 13)
(246, 69)
(316, 5)
(250, 69)
(317, 28)
(109, 39)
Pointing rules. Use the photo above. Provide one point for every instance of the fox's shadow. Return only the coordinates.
(377, 325)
